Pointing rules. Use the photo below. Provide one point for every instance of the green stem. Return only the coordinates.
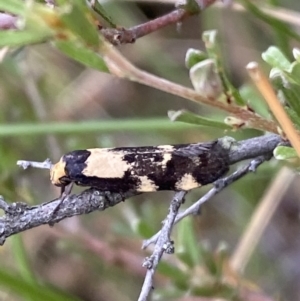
(116, 125)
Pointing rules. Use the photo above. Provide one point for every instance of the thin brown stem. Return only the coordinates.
(260, 219)
(265, 88)
(123, 36)
(121, 67)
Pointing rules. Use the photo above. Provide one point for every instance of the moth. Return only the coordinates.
(143, 169)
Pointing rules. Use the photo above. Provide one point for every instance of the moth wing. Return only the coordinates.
(194, 150)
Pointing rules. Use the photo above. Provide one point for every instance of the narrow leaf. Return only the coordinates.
(16, 7)
(80, 53)
(174, 273)
(211, 44)
(188, 117)
(284, 153)
(187, 249)
(294, 72)
(21, 38)
(275, 58)
(272, 21)
(99, 9)
(143, 229)
(79, 20)
(194, 56)
(26, 289)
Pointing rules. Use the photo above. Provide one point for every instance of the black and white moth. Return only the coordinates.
(143, 169)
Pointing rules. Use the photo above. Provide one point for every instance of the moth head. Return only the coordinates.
(58, 175)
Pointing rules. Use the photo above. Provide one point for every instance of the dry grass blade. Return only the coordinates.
(260, 219)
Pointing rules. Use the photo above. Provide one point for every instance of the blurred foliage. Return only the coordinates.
(56, 95)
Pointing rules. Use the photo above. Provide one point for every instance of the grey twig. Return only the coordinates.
(254, 147)
(73, 205)
(163, 244)
(43, 165)
(219, 185)
(20, 217)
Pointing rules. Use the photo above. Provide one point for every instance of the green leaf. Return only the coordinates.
(292, 94)
(296, 54)
(293, 116)
(82, 54)
(220, 257)
(284, 153)
(34, 292)
(294, 72)
(16, 7)
(191, 6)
(187, 246)
(272, 21)
(21, 259)
(211, 44)
(77, 17)
(194, 56)
(208, 257)
(206, 80)
(143, 229)
(174, 273)
(254, 100)
(188, 117)
(99, 127)
(288, 92)
(21, 38)
(99, 9)
(275, 58)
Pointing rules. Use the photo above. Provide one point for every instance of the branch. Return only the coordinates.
(162, 238)
(19, 216)
(119, 66)
(254, 147)
(219, 185)
(163, 244)
(118, 36)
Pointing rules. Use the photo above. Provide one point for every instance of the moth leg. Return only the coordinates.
(64, 193)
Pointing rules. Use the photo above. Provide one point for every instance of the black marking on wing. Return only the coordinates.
(75, 163)
(205, 162)
(124, 184)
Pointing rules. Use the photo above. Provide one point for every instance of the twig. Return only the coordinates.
(260, 219)
(43, 165)
(219, 185)
(117, 36)
(20, 217)
(163, 244)
(121, 67)
(124, 36)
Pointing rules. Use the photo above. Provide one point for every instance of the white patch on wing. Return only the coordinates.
(104, 163)
(146, 185)
(187, 182)
(166, 158)
(166, 147)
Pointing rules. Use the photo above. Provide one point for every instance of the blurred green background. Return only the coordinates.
(51, 105)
